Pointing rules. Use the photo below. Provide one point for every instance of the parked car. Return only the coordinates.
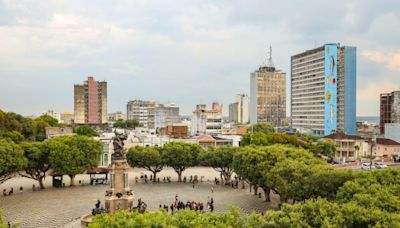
(367, 166)
(380, 165)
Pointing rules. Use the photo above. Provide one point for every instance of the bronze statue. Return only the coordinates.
(118, 143)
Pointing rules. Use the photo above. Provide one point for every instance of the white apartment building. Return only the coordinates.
(153, 115)
(205, 121)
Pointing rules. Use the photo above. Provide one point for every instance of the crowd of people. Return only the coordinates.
(189, 205)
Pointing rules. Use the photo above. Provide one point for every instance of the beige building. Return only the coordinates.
(112, 117)
(268, 95)
(90, 102)
(348, 147)
(386, 148)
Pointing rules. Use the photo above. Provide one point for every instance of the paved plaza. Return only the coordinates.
(57, 207)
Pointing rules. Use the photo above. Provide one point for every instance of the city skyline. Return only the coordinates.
(197, 52)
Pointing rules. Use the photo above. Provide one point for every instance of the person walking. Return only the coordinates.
(21, 189)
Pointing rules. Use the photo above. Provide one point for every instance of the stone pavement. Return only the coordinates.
(57, 207)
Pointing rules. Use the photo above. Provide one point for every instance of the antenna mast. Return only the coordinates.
(269, 62)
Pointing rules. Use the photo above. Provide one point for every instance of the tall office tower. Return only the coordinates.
(239, 111)
(143, 111)
(389, 109)
(206, 121)
(323, 90)
(166, 114)
(90, 102)
(268, 94)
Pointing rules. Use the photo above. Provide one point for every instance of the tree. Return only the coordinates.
(148, 158)
(15, 136)
(262, 127)
(180, 155)
(86, 130)
(132, 124)
(322, 213)
(220, 159)
(161, 218)
(323, 148)
(12, 159)
(37, 155)
(72, 155)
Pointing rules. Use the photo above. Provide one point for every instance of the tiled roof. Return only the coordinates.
(384, 141)
(341, 135)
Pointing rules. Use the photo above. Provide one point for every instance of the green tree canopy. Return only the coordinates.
(37, 155)
(131, 124)
(12, 159)
(86, 130)
(72, 155)
(148, 158)
(262, 127)
(180, 155)
(323, 148)
(322, 213)
(161, 218)
(220, 159)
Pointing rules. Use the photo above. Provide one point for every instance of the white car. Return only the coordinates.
(366, 166)
(380, 165)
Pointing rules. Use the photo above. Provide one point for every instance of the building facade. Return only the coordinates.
(90, 102)
(239, 111)
(349, 148)
(153, 115)
(323, 90)
(112, 117)
(166, 114)
(268, 95)
(389, 109)
(205, 121)
(392, 131)
(142, 111)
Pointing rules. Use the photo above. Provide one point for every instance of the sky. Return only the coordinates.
(187, 52)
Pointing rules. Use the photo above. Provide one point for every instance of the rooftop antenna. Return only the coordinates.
(269, 62)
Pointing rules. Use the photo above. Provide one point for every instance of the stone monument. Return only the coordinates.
(120, 197)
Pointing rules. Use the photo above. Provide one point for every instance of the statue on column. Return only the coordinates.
(118, 143)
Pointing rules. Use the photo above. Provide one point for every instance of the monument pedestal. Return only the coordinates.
(120, 197)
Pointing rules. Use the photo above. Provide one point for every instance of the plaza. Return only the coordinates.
(63, 207)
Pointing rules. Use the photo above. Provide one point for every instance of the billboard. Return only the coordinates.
(330, 103)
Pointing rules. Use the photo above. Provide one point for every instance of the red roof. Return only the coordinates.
(205, 139)
(384, 141)
(341, 135)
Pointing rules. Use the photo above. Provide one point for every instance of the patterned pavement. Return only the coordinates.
(57, 207)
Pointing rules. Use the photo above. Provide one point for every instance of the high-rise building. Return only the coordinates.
(389, 109)
(239, 111)
(323, 90)
(153, 115)
(90, 102)
(268, 94)
(206, 122)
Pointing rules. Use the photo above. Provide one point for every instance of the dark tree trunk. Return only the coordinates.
(72, 180)
(267, 192)
(40, 180)
(154, 176)
(255, 189)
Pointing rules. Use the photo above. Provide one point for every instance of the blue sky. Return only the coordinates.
(187, 52)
